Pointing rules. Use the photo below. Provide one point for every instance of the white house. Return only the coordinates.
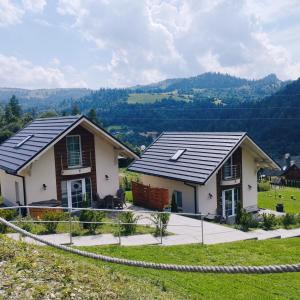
(61, 158)
(206, 172)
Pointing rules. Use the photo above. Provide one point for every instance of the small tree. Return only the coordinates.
(269, 221)
(128, 223)
(160, 221)
(91, 216)
(287, 220)
(53, 217)
(174, 207)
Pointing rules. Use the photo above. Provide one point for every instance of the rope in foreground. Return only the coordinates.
(160, 266)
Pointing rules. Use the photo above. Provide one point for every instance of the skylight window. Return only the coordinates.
(24, 141)
(177, 154)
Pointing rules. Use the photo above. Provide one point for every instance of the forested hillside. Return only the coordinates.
(267, 108)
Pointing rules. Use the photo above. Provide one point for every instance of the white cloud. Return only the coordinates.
(10, 14)
(24, 74)
(146, 40)
(36, 6)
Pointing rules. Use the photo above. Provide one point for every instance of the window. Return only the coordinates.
(228, 168)
(24, 141)
(177, 154)
(178, 199)
(74, 151)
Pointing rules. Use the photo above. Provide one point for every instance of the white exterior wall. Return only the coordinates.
(42, 171)
(173, 185)
(8, 189)
(249, 177)
(207, 205)
(106, 164)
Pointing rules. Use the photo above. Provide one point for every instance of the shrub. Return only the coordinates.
(239, 212)
(22, 223)
(128, 217)
(247, 221)
(54, 217)
(160, 221)
(174, 207)
(1, 200)
(269, 221)
(126, 184)
(263, 186)
(7, 214)
(288, 219)
(91, 216)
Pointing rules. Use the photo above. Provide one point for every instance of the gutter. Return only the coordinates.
(195, 194)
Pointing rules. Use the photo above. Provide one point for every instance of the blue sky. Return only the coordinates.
(118, 43)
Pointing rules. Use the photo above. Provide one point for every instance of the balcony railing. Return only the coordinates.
(76, 160)
(231, 172)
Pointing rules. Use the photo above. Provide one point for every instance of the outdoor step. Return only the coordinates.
(180, 240)
(288, 233)
(95, 240)
(261, 234)
(137, 240)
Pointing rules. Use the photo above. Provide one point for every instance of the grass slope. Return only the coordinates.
(31, 272)
(215, 286)
(269, 199)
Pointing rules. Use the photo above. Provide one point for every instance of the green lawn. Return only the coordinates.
(42, 270)
(269, 199)
(213, 286)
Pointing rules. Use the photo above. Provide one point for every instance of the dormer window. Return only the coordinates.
(177, 154)
(74, 153)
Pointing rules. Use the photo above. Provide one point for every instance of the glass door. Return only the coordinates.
(229, 199)
(76, 192)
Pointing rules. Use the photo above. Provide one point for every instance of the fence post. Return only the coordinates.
(161, 229)
(119, 231)
(202, 230)
(70, 225)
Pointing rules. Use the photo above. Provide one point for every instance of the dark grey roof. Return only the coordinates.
(205, 152)
(43, 131)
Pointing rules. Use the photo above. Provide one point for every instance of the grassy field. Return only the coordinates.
(154, 97)
(269, 199)
(213, 286)
(31, 272)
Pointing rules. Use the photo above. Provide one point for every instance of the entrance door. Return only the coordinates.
(76, 192)
(229, 199)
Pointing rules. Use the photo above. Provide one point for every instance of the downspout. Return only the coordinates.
(195, 195)
(24, 188)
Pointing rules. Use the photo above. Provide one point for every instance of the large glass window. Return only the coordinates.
(74, 151)
(178, 199)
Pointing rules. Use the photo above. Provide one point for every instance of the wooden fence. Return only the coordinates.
(149, 197)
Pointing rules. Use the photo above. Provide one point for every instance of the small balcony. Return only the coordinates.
(230, 175)
(76, 163)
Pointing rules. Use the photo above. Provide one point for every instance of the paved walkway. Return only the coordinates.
(184, 230)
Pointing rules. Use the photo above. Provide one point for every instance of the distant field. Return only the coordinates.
(154, 97)
(269, 199)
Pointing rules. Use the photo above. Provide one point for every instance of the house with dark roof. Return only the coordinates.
(205, 172)
(62, 159)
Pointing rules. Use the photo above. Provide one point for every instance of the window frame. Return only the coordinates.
(80, 150)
